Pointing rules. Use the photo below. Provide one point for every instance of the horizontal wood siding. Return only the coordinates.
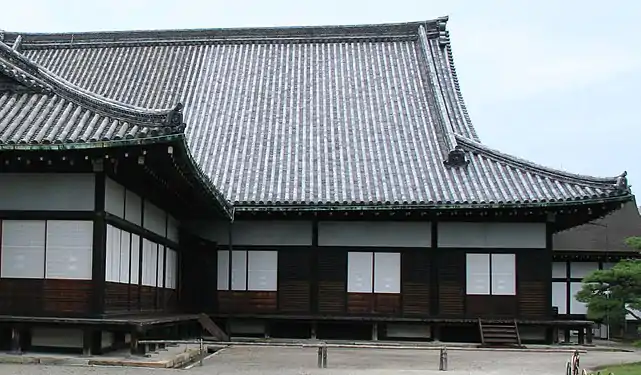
(532, 284)
(134, 295)
(332, 281)
(117, 297)
(387, 304)
(451, 288)
(147, 298)
(360, 303)
(67, 296)
(247, 302)
(373, 304)
(21, 296)
(170, 299)
(415, 278)
(42, 297)
(294, 276)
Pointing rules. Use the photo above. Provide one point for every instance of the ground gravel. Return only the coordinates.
(290, 361)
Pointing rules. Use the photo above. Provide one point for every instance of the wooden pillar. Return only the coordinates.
(134, 347)
(119, 339)
(99, 242)
(582, 335)
(589, 335)
(436, 332)
(566, 335)
(87, 341)
(313, 330)
(314, 274)
(375, 331)
(16, 348)
(267, 329)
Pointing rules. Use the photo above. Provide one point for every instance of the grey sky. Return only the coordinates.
(555, 82)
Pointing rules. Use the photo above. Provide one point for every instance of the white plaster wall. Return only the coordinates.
(47, 191)
(375, 234)
(155, 219)
(492, 235)
(56, 337)
(400, 330)
(259, 232)
(114, 198)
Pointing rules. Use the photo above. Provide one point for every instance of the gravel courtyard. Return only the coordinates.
(277, 361)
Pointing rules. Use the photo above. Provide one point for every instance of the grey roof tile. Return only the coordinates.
(335, 115)
(37, 107)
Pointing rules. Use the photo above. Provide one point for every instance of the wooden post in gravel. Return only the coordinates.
(324, 356)
(442, 363)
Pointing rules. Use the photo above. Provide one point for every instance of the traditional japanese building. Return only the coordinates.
(581, 250)
(299, 181)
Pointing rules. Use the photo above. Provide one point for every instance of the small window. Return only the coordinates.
(249, 270)
(491, 274)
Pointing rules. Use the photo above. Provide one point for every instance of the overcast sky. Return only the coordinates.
(556, 82)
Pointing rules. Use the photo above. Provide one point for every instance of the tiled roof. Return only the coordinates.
(41, 109)
(607, 234)
(38, 107)
(354, 115)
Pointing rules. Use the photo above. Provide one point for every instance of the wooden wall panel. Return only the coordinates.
(415, 281)
(42, 297)
(147, 298)
(294, 277)
(451, 289)
(532, 284)
(373, 304)
(480, 306)
(332, 281)
(134, 295)
(21, 296)
(117, 297)
(245, 302)
(170, 299)
(360, 303)
(387, 304)
(67, 296)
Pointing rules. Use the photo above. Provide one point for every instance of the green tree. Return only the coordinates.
(615, 292)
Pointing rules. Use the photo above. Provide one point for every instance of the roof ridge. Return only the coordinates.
(617, 182)
(29, 73)
(457, 86)
(282, 33)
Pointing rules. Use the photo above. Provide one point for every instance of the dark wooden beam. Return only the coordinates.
(99, 247)
(313, 268)
(46, 215)
(434, 261)
(549, 252)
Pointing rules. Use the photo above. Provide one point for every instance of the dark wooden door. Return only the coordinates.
(294, 281)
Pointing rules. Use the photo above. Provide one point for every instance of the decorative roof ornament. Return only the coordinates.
(1, 35)
(443, 34)
(622, 182)
(456, 158)
(175, 116)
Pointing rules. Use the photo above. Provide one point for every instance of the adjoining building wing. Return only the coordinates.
(605, 236)
(316, 117)
(40, 110)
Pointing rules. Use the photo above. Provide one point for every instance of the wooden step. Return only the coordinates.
(499, 334)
